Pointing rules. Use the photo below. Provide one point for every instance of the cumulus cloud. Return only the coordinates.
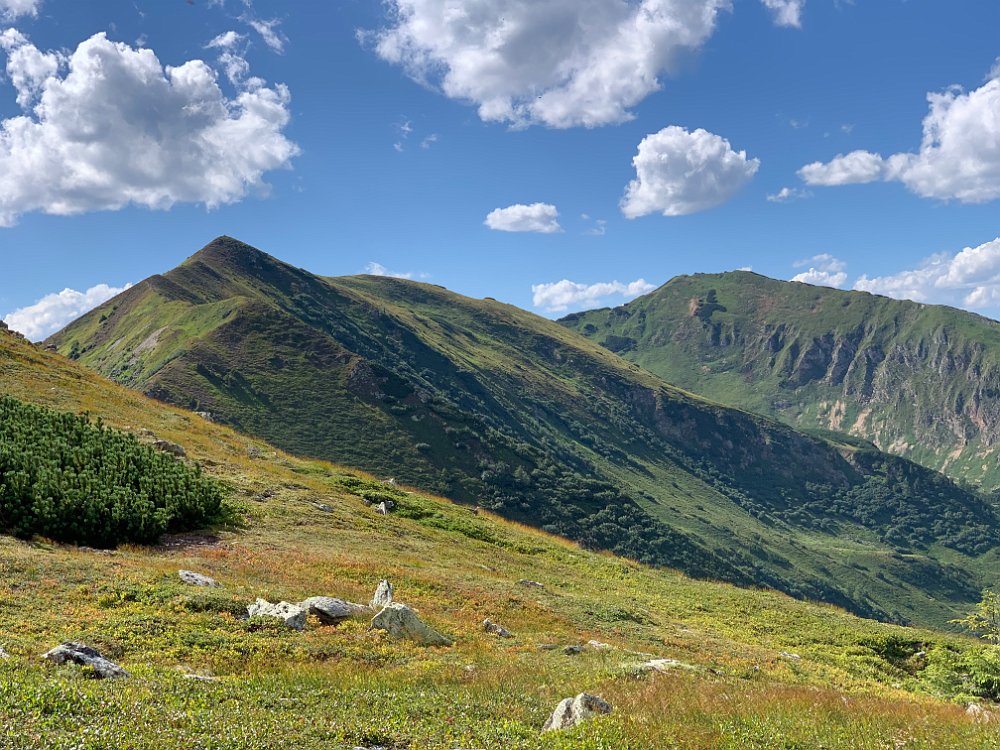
(959, 155)
(969, 278)
(54, 311)
(11, 9)
(824, 270)
(786, 12)
(680, 172)
(559, 296)
(787, 194)
(377, 269)
(537, 217)
(107, 126)
(561, 63)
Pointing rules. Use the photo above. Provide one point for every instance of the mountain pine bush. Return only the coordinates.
(73, 480)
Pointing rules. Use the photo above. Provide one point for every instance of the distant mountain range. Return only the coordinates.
(492, 405)
(920, 381)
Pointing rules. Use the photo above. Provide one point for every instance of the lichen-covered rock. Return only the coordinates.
(85, 656)
(197, 579)
(383, 595)
(331, 611)
(292, 615)
(401, 622)
(491, 627)
(572, 711)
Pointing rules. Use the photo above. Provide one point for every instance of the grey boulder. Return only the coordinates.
(401, 622)
(290, 614)
(572, 711)
(168, 447)
(330, 611)
(85, 656)
(197, 579)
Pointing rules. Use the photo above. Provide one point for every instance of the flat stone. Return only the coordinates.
(401, 622)
(197, 579)
(85, 656)
(331, 611)
(531, 584)
(290, 614)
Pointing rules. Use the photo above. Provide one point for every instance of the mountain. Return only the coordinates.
(920, 381)
(746, 667)
(490, 405)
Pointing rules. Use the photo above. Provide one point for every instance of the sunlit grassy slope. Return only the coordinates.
(491, 405)
(922, 381)
(841, 682)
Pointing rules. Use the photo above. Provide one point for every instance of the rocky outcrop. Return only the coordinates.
(85, 656)
(401, 622)
(573, 711)
(332, 611)
(290, 614)
(197, 579)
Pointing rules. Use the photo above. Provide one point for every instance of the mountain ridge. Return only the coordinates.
(492, 405)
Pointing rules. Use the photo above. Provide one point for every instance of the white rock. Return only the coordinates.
(788, 655)
(330, 611)
(979, 714)
(399, 621)
(598, 646)
(85, 656)
(197, 579)
(573, 711)
(383, 595)
(292, 615)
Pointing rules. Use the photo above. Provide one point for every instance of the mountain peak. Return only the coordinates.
(227, 249)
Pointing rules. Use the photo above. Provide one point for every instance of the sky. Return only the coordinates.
(555, 154)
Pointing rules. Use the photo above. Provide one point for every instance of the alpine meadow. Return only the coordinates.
(605, 375)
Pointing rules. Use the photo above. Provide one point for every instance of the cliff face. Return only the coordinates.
(917, 380)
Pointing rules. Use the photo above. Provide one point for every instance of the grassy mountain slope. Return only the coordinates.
(920, 381)
(768, 671)
(492, 405)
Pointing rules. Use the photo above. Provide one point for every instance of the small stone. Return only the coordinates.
(85, 656)
(598, 646)
(400, 622)
(573, 650)
(4, 654)
(660, 665)
(383, 595)
(331, 611)
(531, 584)
(324, 507)
(572, 711)
(491, 627)
(292, 615)
(197, 579)
(788, 655)
(167, 447)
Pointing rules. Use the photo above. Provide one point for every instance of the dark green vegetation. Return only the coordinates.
(489, 404)
(920, 381)
(67, 478)
(763, 671)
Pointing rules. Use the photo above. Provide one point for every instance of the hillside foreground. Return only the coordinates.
(757, 669)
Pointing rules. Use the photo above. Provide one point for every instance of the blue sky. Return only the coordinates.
(555, 154)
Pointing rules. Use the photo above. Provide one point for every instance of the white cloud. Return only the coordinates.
(968, 278)
(11, 9)
(561, 63)
(824, 270)
(54, 311)
(787, 194)
(108, 126)
(537, 217)
(786, 12)
(377, 269)
(680, 172)
(231, 58)
(959, 156)
(561, 295)
(268, 30)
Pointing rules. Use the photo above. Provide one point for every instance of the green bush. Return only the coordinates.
(66, 478)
